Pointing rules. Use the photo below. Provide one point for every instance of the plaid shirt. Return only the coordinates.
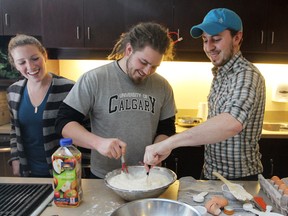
(238, 88)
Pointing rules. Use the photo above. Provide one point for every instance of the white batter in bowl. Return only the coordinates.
(135, 185)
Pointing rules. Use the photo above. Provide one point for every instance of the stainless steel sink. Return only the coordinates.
(275, 126)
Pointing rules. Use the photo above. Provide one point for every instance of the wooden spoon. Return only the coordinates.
(236, 190)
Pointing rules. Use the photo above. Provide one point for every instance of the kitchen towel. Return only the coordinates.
(188, 187)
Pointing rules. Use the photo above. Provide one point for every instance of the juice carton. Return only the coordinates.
(66, 162)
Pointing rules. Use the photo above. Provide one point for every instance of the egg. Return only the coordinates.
(279, 182)
(275, 178)
(282, 187)
(221, 201)
(212, 207)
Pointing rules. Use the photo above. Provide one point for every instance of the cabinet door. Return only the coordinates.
(274, 157)
(191, 12)
(1, 18)
(160, 11)
(63, 23)
(104, 22)
(253, 15)
(5, 169)
(277, 32)
(21, 16)
(186, 161)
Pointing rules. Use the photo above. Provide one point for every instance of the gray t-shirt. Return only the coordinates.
(118, 108)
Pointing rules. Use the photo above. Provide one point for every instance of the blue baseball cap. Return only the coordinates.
(216, 21)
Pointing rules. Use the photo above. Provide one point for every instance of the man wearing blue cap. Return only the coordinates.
(236, 105)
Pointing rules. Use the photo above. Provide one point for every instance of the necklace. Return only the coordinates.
(36, 100)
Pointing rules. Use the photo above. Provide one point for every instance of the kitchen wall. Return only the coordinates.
(191, 82)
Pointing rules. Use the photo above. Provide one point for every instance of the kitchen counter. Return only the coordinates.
(98, 199)
(265, 133)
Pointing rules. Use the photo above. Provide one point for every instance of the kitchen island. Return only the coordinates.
(98, 199)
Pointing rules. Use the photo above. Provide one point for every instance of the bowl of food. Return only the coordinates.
(136, 184)
(155, 207)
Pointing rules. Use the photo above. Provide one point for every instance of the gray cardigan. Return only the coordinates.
(60, 88)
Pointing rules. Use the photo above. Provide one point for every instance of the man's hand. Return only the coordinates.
(112, 148)
(156, 153)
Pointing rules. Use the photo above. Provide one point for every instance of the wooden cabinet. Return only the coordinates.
(186, 161)
(5, 168)
(104, 22)
(195, 12)
(98, 24)
(264, 29)
(20, 16)
(264, 23)
(1, 20)
(274, 157)
(84, 23)
(62, 23)
(160, 11)
(276, 33)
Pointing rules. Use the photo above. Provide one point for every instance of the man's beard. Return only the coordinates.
(131, 71)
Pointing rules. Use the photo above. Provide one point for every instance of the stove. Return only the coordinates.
(24, 199)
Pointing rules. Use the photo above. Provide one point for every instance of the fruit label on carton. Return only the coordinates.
(67, 183)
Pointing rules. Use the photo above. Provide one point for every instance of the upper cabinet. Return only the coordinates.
(63, 23)
(264, 23)
(1, 22)
(160, 11)
(20, 16)
(195, 13)
(276, 33)
(103, 21)
(82, 23)
(98, 24)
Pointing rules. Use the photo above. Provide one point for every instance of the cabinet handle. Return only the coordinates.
(272, 37)
(88, 32)
(272, 167)
(176, 165)
(6, 19)
(5, 150)
(262, 37)
(77, 33)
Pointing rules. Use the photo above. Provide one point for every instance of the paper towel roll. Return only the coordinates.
(202, 110)
(280, 93)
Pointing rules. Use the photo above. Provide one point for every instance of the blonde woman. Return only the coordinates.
(33, 102)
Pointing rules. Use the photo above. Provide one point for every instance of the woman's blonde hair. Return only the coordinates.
(22, 40)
